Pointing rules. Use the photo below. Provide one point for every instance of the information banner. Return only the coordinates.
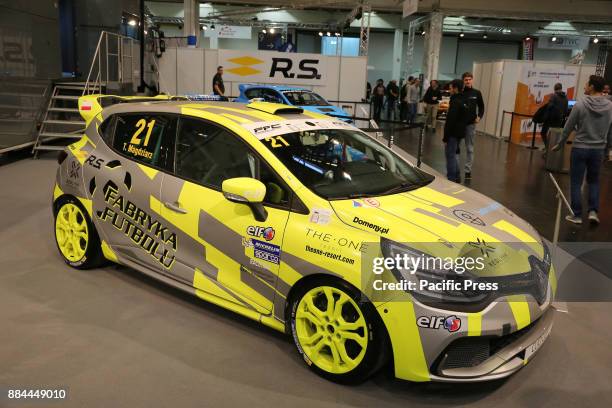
(533, 90)
(230, 31)
(564, 43)
(273, 67)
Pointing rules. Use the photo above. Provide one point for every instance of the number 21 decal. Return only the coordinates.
(141, 125)
(277, 141)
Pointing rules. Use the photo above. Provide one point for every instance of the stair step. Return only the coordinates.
(15, 120)
(57, 134)
(21, 94)
(75, 110)
(18, 107)
(66, 97)
(65, 122)
(74, 87)
(46, 147)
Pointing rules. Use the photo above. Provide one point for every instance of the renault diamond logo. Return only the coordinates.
(245, 69)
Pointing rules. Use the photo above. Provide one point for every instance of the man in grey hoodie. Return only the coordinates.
(591, 117)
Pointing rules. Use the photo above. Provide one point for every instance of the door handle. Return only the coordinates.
(175, 207)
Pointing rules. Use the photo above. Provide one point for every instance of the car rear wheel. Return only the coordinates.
(338, 335)
(75, 235)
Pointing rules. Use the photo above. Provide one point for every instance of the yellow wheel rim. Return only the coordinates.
(71, 232)
(331, 329)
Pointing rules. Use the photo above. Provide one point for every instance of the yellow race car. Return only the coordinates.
(310, 226)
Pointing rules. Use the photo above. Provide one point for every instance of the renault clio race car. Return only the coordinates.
(280, 215)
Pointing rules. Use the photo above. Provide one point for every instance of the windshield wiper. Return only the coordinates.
(405, 186)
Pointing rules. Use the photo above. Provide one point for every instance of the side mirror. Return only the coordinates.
(246, 190)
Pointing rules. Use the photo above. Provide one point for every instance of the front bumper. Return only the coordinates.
(491, 344)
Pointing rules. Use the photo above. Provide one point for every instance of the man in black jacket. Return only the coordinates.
(432, 98)
(378, 98)
(454, 129)
(392, 95)
(475, 104)
(556, 109)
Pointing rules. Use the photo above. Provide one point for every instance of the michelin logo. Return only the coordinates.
(266, 251)
(376, 228)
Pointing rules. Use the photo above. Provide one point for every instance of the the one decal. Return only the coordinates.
(333, 239)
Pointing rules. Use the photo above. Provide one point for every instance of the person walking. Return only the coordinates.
(454, 129)
(392, 96)
(476, 109)
(432, 98)
(404, 99)
(413, 100)
(591, 118)
(378, 98)
(556, 110)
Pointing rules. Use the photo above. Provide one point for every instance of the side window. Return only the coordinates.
(107, 129)
(147, 138)
(271, 95)
(253, 93)
(208, 154)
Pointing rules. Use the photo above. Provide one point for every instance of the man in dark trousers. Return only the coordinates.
(432, 98)
(454, 129)
(218, 86)
(392, 95)
(475, 103)
(591, 118)
(556, 109)
(378, 98)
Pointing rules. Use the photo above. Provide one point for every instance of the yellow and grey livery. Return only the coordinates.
(202, 196)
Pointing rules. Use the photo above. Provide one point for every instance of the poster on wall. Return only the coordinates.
(273, 67)
(534, 89)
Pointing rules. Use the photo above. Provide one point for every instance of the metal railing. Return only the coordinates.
(115, 60)
(560, 200)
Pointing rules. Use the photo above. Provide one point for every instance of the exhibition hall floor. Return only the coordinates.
(114, 337)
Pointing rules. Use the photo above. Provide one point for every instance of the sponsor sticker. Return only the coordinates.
(372, 202)
(449, 323)
(320, 216)
(266, 251)
(533, 348)
(370, 225)
(266, 233)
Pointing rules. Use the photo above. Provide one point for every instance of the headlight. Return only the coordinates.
(433, 284)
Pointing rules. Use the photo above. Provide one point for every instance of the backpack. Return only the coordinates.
(541, 114)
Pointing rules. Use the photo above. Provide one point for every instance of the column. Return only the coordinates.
(431, 47)
(191, 23)
(398, 43)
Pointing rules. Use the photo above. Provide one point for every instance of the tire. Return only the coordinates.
(75, 235)
(347, 347)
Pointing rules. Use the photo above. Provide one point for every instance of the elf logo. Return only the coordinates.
(307, 68)
(450, 323)
(266, 233)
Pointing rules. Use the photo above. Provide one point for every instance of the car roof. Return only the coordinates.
(239, 113)
(280, 88)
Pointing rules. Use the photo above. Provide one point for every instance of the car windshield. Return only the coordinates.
(343, 164)
(303, 98)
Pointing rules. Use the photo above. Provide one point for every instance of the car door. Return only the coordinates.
(222, 249)
(123, 177)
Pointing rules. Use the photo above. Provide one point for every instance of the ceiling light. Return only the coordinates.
(132, 22)
(320, 34)
(328, 34)
(337, 34)
(506, 31)
(595, 40)
(554, 39)
(423, 32)
(204, 27)
(461, 35)
(484, 36)
(272, 30)
(264, 31)
(528, 38)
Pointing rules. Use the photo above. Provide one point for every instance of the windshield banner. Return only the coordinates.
(263, 130)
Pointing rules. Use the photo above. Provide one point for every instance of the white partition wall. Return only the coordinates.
(497, 80)
(190, 71)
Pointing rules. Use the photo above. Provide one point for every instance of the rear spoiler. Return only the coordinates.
(91, 105)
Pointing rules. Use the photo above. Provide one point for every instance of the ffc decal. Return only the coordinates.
(127, 217)
(292, 126)
(467, 216)
(367, 224)
(266, 233)
(266, 251)
(450, 323)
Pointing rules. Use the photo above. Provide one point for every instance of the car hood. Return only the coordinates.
(447, 219)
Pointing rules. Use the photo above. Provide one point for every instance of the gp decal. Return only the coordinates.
(139, 226)
(467, 216)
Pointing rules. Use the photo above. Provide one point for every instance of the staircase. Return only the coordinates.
(62, 123)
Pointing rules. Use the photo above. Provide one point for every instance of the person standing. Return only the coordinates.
(475, 104)
(392, 96)
(591, 118)
(404, 99)
(378, 98)
(432, 98)
(454, 129)
(556, 109)
(607, 92)
(218, 86)
(413, 100)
